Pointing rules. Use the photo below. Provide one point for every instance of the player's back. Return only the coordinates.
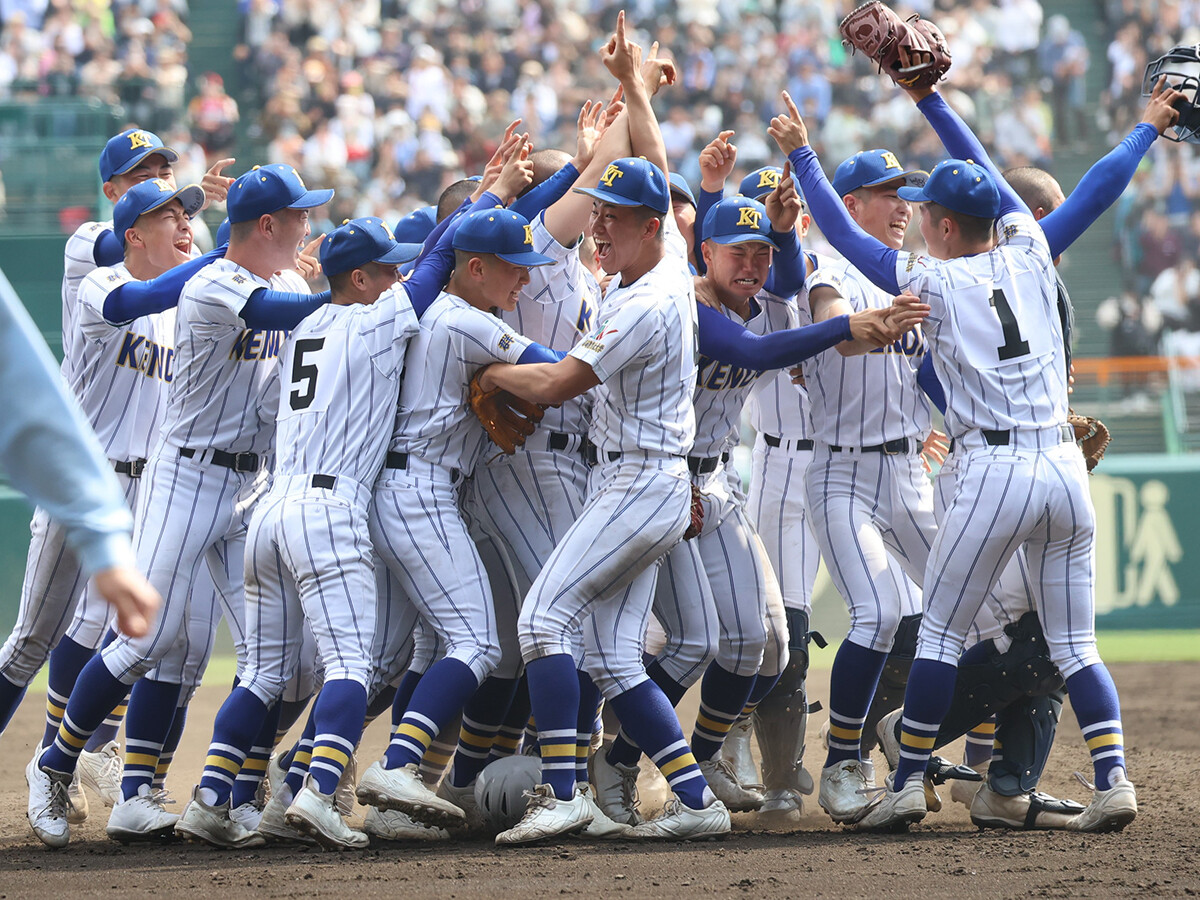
(341, 370)
(78, 261)
(994, 331)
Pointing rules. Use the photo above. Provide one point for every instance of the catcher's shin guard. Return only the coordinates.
(782, 717)
(1024, 735)
(889, 693)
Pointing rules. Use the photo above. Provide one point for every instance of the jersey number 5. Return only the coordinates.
(305, 375)
(1013, 345)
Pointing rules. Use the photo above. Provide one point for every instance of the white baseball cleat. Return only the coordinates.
(464, 799)
(893, 811)
(343, 797)
(842, 791)
(781, 808)
(403, 789)
(1025, 812)
(615, 789)
(316, 814)
(77, 813)
(101, 772)
(682, 823)
(885, 731)
(736, 749)
(393, 825)
(247, 815)
(719, 774)
(276, 773)
(142, 818)
(963, 791)
(273, 825)
(602, 827)
(213, 825)
(547, 816)
(1110, 810)
(49, 803)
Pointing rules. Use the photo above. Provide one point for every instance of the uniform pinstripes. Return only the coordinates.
(684, 607)
(79, 258)
(776, 507)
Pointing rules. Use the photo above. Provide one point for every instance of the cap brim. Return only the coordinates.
(529, 258)
(744, 239)
(913, 194)
(167, 153)
(679, 192)
(912, 178)
(309, 199)
(400, 254)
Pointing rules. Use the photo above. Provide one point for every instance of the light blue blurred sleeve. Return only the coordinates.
(49, 450)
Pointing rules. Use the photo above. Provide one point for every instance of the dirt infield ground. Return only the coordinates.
(943, 857)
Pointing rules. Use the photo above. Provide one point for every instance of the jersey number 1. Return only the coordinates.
(304, 374)
(1013, 345)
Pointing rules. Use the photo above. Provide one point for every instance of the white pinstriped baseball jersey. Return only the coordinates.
(871, 398)
(722, 389)
(556, 309)
(340, 376)
(434, 421)
(647, 406)
(78, 259)
(994, 330)
(121, 371)
(222, 368)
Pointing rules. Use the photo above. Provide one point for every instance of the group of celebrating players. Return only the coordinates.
(308, 465)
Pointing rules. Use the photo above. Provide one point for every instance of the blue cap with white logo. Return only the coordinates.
(632, 181)
(360, 241)
(680, 188)
(150, 195)
(268, 189)
(961, 185)
(499, 232)
(130, 147)
(873, 167)
(760, 182)
(415, 227)
(738, 220)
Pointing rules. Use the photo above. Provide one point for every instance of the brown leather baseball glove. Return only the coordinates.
(878, 32)
(507, 418)
(697, 524)
(1092, 435)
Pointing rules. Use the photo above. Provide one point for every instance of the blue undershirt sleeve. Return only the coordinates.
(728, 342)
(546, 194)
(108, 250)
(135, 299)
(536, 353)
(928, 380)
(282, 310)
(787, 268)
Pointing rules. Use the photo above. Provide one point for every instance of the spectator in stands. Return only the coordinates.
(212, 115)
(1063, 56)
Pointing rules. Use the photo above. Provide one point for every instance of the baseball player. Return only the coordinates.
(228, 335)
(994, 314)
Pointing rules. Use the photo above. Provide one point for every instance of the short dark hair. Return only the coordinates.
(339, 282)
(453, 196)
(1034, 186)
(545, 163)
(975, 229)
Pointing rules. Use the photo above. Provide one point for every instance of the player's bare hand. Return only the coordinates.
(621, 56)
(934, 450)
(706, 293)
(517, 173)
(657, 71)
(717, 160)
(783, 203)
(216, 185)
(906, 311)
(134, 599)
(494, 165)
(307, 262)
(789, 130)
(616, 105)
(1160, 109)
(797, 374)
(913, 60)
(588, 130)
(1071, 379)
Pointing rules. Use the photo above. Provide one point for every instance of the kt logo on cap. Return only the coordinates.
(611, 174)
(749, 216)
(768, 178)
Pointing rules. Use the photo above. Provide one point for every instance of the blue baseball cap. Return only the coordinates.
(961, 185)
(357, 242)
(268, 189)
(760, 182)
(870, 168)
(415, 227)
(223, 231)
(632, 181)
(500, 232)
(150, 195)
(738, 220)
(130, 147)
(680, 188)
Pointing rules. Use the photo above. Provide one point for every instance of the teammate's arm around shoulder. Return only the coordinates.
(548, 383)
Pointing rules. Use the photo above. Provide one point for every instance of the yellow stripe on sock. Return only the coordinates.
(55, 710)
(714, 725)
(680, 762)
(559, 750)
(69, 739)
(254, 764)
(147, 760)
(434, 758)
(301, 757)
(119, 712)
(219, 762)
(420, 735)
(508, 743)
(1104, 740)
(916, 741)
(327, 752)
(474, 740)
(984, 728)
(161, 768)
(845, 734)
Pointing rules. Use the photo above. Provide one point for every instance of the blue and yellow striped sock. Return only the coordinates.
(290, 712)
(339, 712)
(254, 766)
(624, 750)
(926, 701)
(299, 757)
(650, 719)
(585, 725)
(67, 660)
(980, 740)
(167, 756)
(95, 695)
(108, 728)
(509, 736)
(437, 758)
(1098, 711)
(238, 722)
(152, 707)
(554, 694)
(723, 695)
(852, 681)
(482, 717)
(438, 698)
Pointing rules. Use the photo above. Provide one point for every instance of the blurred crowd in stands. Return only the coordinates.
(390, 101)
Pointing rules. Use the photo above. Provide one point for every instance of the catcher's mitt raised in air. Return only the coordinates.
(507, 418)
(878, 32)
(1092, 436)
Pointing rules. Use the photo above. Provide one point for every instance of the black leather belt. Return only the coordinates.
(133, 467)
(324, 481)
(774, 440)
(398, 460)
(1004, 438)
(900, 445)
(239, 462)
(702, 465)
(558, 441)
